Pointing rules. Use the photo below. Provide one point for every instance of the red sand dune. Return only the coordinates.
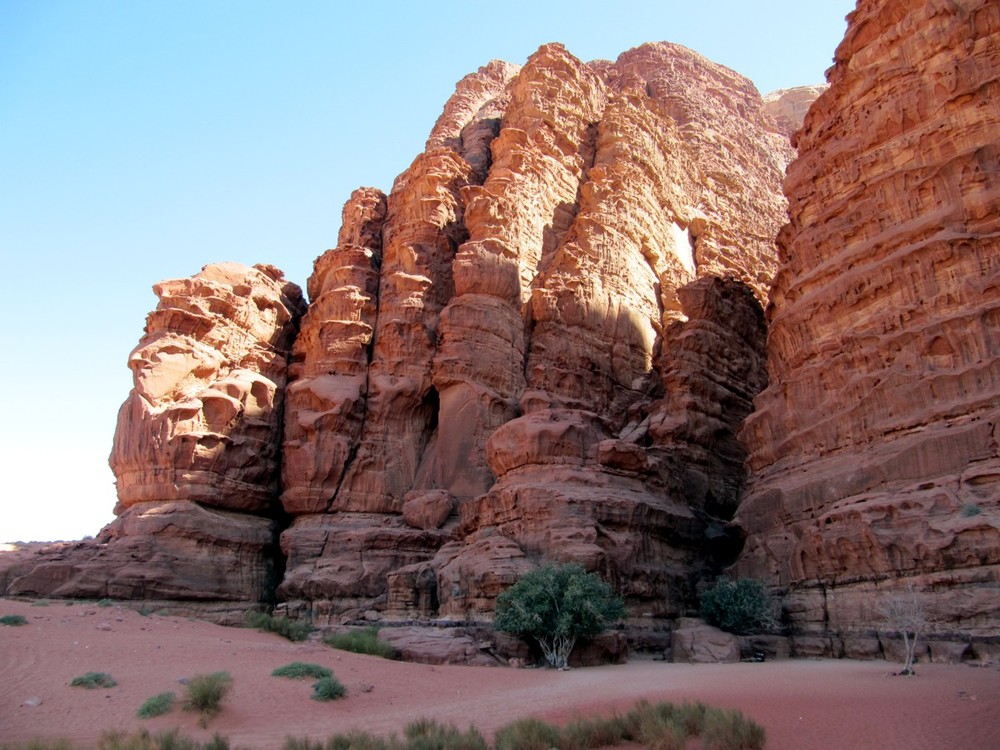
(814, 704)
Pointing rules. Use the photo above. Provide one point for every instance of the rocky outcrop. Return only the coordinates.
(788, 107)
(874, 449)
(196, 452)
(514, 356)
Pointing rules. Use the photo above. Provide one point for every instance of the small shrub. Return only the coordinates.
(205, 693)
(527, 734)
(556, 605)
(743, 606)
(105, 603)
(364, 641)
(328, 689)
(298, 670)
(93, 680)
(971, 509)
(13, 620)
(156, 706)
(292, 630)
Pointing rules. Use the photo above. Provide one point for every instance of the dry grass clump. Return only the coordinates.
(291, 629)
(93, 680)
(363, 641)
(298, 670)
(156, 706)
(205, 693)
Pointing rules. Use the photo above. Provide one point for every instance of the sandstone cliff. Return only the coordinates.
(540, 344)
(788, 107)
(874, 449)
(196, 453)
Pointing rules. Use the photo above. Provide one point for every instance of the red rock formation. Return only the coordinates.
(558, 272)
(196, 452)
(788, 107)
(874, 449)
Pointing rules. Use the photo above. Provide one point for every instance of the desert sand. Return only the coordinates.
(815, 704)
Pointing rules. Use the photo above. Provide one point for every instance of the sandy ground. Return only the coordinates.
(813, 704)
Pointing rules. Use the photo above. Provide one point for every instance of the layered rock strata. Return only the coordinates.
(514, 355)
(788, 107)
(874, 461)
(196, 452)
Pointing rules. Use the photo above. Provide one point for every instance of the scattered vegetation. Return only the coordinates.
(328, 689)
(205, 693)
(117, 740)
(363, 641)
(93, 680)
(105, 603)
(556, 605)
(427, 734)
(663, 726)
(169, 740)
(971, 509)
(905, 614)
(743, 606)
(298, 670)
(156, 706)
(13, 620)
(290, 629)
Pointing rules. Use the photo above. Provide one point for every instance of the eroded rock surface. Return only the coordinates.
(515, 355)
(788, 107)
(874, 449)
(196, 452)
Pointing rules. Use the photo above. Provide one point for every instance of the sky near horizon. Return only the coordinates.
(140, 141)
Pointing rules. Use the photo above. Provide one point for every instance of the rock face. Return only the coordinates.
(196, 452)
(788, 107)
(540, 344)
(874, 449)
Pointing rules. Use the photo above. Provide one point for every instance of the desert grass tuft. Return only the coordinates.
(13, 620)
(363, 641)
(527, 734)
(168, 740)
(427, 734)
(328, 689)
(290, 629)
(298, 670)
(156, 706)
(205, 693)
(93, 680)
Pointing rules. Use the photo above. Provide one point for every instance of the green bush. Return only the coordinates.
(104, 602)
(13, 620)
(298, 670)
(156, 706)
(93, 680)
(205, 693)
(328, 689)
(556, 605)
(971, 509)
(292, 630)
(743, 606)
(363, 641)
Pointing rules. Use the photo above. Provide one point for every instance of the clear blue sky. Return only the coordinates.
(140, 140)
